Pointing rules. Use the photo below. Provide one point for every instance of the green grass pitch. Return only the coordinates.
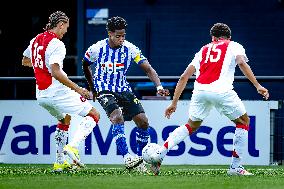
(13, 176)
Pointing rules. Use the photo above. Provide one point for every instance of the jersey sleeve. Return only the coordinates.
(238, 49)
(136, 55)
(57, 51)
(92, 54)
(28, 51)
(196, 60)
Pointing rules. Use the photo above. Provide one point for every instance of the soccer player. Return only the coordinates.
(56, 92)
(111, 58)
(214, 66)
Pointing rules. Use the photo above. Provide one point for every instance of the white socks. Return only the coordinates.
(240, 141)
(60, 141)
(178, 135)
(84, 129)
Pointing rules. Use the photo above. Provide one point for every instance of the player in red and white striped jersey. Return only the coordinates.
(56, 92)
(214, 66)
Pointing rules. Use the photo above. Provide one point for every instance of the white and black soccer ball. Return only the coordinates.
(149, 153)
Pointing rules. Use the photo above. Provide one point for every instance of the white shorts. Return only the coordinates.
(65, 102)
(227, 103)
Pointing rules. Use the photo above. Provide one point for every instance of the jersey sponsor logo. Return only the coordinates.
(112, 67)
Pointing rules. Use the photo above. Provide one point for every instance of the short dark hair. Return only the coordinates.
(220, 30)
(116, 23)
(55, 18)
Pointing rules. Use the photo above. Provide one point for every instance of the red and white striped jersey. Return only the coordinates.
(46, 49)
(215, 65)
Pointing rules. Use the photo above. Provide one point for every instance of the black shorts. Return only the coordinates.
(126, 100)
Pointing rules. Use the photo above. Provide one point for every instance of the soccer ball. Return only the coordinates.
(148, 151)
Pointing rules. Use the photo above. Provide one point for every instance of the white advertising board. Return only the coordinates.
(27, 135)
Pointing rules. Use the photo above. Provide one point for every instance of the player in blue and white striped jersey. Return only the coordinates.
(112, 58)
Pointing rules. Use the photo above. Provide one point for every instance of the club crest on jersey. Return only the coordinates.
(122, 55)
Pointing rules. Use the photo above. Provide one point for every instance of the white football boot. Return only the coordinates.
(239, 171)
(130, 162)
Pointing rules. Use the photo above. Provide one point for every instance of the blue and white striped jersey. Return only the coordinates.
(111, 65)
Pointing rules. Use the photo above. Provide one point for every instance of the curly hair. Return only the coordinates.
(220, 30)
(116, 23)
(55, 18)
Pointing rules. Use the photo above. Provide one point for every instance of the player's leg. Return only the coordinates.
(239, 143)
(89, 121)
(109, 101)
(177, 136)
(142, 137)
(234, 109)
(142, 132)
(133, 110)
(85, 127)
(199, 109)
(61, 136)
(61, 133)
(73, 103)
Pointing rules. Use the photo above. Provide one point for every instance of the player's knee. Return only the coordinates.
(194, 125)
(67, 119)
(94, 114)
(143, 124)
(141, 121)
(116, 117)
(244, 119)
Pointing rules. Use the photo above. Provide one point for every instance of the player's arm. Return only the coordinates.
(190, 70)
(88, 75)
(27, 61)
(153, 76)
(150, 72)
(58, 74)
(246, 70)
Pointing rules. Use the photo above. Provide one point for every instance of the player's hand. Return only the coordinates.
(83, 92)
(263, 91)
(170, 109)
(163, 92)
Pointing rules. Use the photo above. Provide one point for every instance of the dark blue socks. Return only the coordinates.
(119, 136)
(142, 137)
